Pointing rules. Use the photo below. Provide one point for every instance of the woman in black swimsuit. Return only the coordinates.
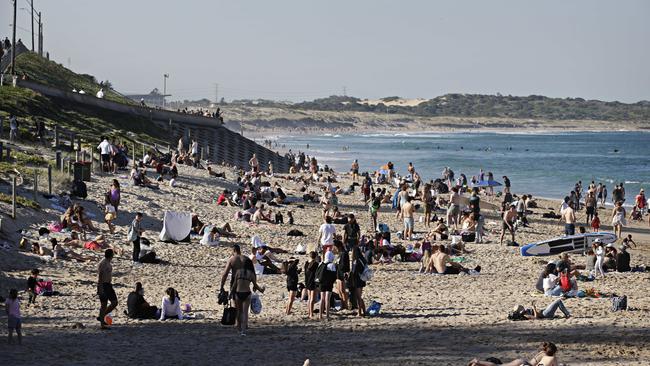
(242, 292)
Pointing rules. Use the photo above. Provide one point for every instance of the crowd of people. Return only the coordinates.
(337, 270)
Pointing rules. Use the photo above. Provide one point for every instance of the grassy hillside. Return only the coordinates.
(50, 73)
(89, 123)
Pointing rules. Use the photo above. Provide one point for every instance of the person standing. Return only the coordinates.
(590, 206)
(618, 218)
(14, 321)
(640, 201)
(326, 284)
(604, 199)
(105, 287)
(105, 152)
(407, 214)
(351, 232)
(342, 272)
(569, 217)
(13, 128)
(355, 170)
(254, 164)
(508, 222)
(135, 232)
(356, 283)
(326, 235)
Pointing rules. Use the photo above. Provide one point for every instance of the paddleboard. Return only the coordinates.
(572, 243)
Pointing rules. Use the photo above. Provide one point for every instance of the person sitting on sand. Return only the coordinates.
(212, 173)
(521, 313)
(440, 231)
(211, 238)
(546, 357)
(264, 260)
(551, 285)
(170, 307)
(138, 307)
(443, 264)
(224, 199)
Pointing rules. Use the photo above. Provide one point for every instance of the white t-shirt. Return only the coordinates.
(195, 148)
(167, 309)
(550, 282)
(328, 231)
(104, 147)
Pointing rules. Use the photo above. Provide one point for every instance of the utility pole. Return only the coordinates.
(40, 35)
(13, 42)
(165, 76)
(31, 3)
(216, 93)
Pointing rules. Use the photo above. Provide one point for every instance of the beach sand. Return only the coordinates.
(425, 319)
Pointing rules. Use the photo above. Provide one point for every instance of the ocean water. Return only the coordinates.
(542, 164)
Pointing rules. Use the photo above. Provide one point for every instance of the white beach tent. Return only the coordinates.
(176, 226)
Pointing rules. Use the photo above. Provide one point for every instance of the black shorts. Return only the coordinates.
(292, 286)
(106, 158)
(326, 287)
(355, 171)
(106, 292)
(506, 227)
(590, 210)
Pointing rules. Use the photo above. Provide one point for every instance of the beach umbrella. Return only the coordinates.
(487, 183)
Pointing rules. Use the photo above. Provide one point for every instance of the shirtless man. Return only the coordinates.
(508, 222)
(569, 217)
(355, 170)
(441, 259)
(409, 222)
(255, 165)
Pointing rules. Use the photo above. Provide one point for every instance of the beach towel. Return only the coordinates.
(176, 226)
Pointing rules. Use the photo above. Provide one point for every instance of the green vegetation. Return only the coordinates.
(50, 73)
(28, 159)
(21, 201)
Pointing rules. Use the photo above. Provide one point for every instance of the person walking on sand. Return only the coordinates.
(14, 320)
(241, 289)
(590, 206)
(105, 151)
(508, 223)
(105, 287)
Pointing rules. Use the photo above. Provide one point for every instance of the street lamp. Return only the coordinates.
(165, 77)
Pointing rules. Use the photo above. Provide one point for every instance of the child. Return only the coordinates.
(31, 285)
(600, 258)
(12, 307)
(292, 271)
(595, 223)
(290, 215)
(110, 215)
(278, 218)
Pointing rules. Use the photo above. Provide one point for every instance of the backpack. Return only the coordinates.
(79, 189)
(619, 303)
(565, 282)
(320, 273)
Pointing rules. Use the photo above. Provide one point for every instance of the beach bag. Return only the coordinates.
(229, 315)
(468, 237)
(565, 282)
(383, 228)
(374, 308)
(619, 303)
(44, 287)
(366, 274)
(256, 304)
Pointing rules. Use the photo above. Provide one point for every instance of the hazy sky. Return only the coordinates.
(306, 49)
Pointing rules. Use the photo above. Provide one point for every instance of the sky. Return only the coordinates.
(302, 50)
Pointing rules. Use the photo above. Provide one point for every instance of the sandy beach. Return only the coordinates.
(425, 319)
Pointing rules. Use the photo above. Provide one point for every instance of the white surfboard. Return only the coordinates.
(572, 243)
